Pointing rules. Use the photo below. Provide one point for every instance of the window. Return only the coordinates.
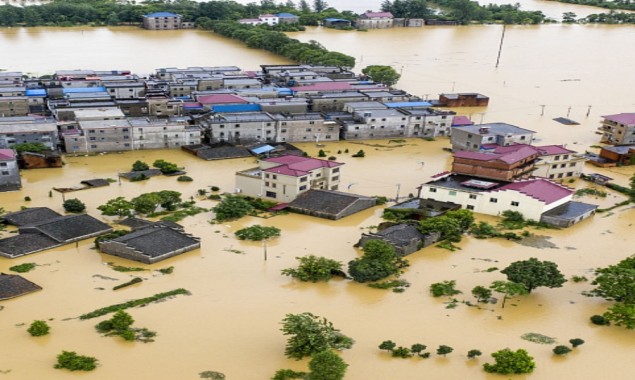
(472, 196)
(303, 187)
(452, 192)
(522, 137)
(93, 146)
(572, 164)
(267, 184)
(335, 178)
(569, 174)
(308, 129)
(283, 123)
(433, 190)
(560, 175)
(3, 164)
(566, 156)
(270, 194)
(514, 203)
(551, 176)
(125, 130)
(283, 131)
(554, 166)
(336, 170)
(237, 125)
(303, 179)
(274, 176)
(311, 122)
(563, 165)
(267, 175)
(493, 200)
(5, 172)
(556, 158)
(469, 207)
(92, 138)
(126, 145)
(273, 184)
(91, 131)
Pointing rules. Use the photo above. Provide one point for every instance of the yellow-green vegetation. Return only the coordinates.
(133, 303)
(38, 328)
(314, 269)
(538, 338)
(121, 325)
(23, 268)
(257, 233)
(72, 361)
(135, 280)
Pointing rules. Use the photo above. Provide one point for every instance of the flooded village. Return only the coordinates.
(292, 134)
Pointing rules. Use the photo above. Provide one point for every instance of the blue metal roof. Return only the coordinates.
(161, 14)
(336, 19)
(287, 15)
(407, 104)
(262, 149)
(36, 92)
(83, 90)
(236, 107)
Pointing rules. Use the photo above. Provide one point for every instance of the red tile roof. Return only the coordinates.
(221, 99)
(461, 120)
(509, 156)
(7, 154)
(297, 166)
(623, 118)
(324, 86)
(540, 189)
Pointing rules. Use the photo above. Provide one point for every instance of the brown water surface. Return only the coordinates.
(231, 322)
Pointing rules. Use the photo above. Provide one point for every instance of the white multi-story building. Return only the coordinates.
(9, 171)
(282, 179)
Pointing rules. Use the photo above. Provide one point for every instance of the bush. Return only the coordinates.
(576, 342)
(38, 328)
(332, 158)
(599, 320)
(165, 167)
(74, 205)
(474, 353)
(314, 269)
(401, 352)
(321, 153)
(232, 207)
(378, 262)
(445, 288)
(509, 362)
(360, 153)
(184, 178)
(214, 188)
(561, 350)
(27, 199)
(71, 361)
(139, 166)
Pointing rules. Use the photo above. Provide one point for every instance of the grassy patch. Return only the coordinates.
(135, 280)
(120, 268)
(133, 303)
(397, 286)
(538, 338)
(23, 268)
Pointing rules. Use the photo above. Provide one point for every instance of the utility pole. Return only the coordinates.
(500, 48)
(588, 111)
(542, 112)
(265, 247)
(398, 188)
(568, 111)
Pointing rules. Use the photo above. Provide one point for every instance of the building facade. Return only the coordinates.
(28, 129)
(162, 21)
(375, 20)
(618, 129)
(282, 179)
(487, 136)
(9, 171)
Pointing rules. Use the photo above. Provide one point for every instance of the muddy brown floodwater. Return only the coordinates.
(231, 321)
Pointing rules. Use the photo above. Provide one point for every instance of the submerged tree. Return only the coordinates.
(509, 289)
(379, 261)
(310, 334)
(314, 269)
(508, 362)
(74, 205)
(533, 273)
(382, 74)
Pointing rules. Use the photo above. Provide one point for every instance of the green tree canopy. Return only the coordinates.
(117, 207)
(38, 328)
(257, 233)
(74, 205)
(310, 334)
(379, 261)
(232, 207)
(621, 314)
(165, 166)
(508, 362)
(508, 289)
(326, 365)
(313, 268)
(30, 147)
(534, 273)
(616, 282)
(139, 166)
(382, 74)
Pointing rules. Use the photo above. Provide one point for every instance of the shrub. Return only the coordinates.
(474, 353)
(27, 199)
(387, 345)
(599, 320)
(360, 153)
(445, 288)
(332, 158)
(38, 328)
(401, 352)
(579, 279)
(74, 205)
(184, 178)
(165, 166)
(71, 361)
(444, 350)
(232, 207)
(139, 166)
(509, 362)
(321, 153)
(214, 188)
(575, 342)
(561, 350)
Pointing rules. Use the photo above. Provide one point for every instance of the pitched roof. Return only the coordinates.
(7, 154)
(12, 285)
(30, 215)
(509, 157)
(325, 201)
(298, 166)
(222, 152)
(69, 228)
(461, 120)
(540, 189)
(20, 245)
(623, 118)
(287, 15)
(400, 234)
(548, 150)
(157, 241)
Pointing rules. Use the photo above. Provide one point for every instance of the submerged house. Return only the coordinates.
(42, 228)
(330, 204)
(404, 238)
(151, 244)
(9, 171)
(12, 285)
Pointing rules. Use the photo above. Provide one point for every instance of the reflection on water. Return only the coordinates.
(231, 322)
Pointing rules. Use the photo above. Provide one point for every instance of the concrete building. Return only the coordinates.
(618, 129)
(14, 106)
(376, 124)
(162, 21)
(532, 197)
(305, 127)
(241, 128)
(282, 179)
(266, 19)
(9, 171)
(501, 166)
(375, 20)
(28, 129)
(558, 163)
(429, 122)
(463, 100)
(475, 137)
(288, 18)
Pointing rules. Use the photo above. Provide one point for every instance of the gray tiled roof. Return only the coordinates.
(400, 234)
(328, 202)
(157, 241)
(14, 286)
(69, 228)
(20, 245)
(30, 215)
(223, 152)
